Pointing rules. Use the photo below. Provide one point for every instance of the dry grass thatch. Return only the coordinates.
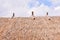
(41, 28)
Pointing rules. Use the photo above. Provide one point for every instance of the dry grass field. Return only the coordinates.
(27, 28)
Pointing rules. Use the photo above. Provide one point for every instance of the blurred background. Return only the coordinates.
(23, 8)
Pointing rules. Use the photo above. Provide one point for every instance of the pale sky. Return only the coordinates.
(23, 8)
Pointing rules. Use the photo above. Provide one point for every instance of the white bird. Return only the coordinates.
(13, 15)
